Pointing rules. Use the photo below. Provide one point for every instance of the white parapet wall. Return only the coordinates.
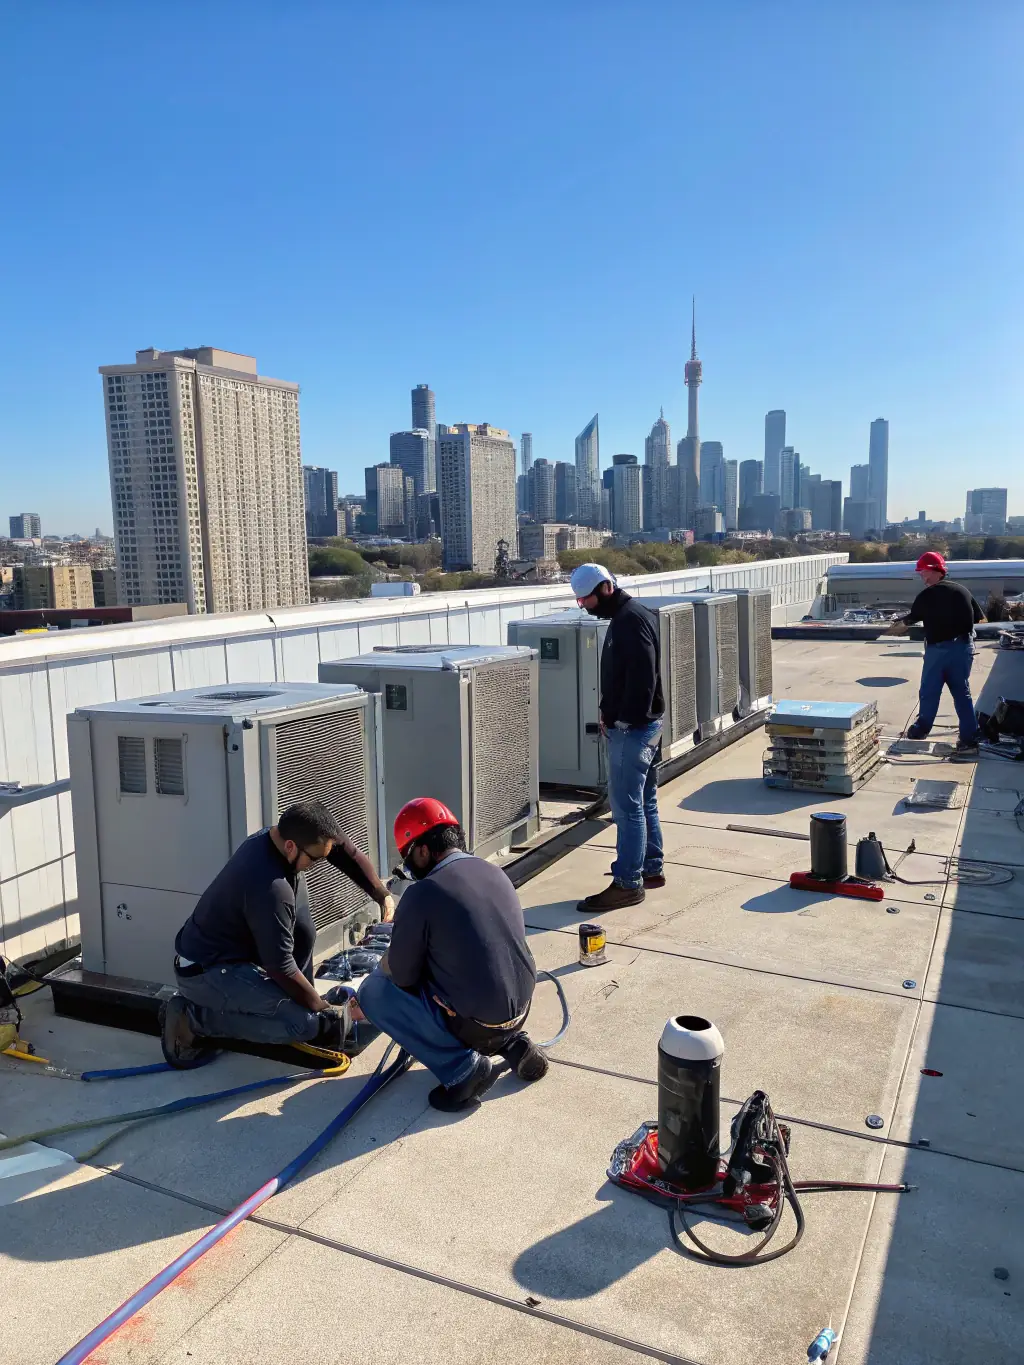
(43, 677)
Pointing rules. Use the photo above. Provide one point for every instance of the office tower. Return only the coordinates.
(522, 495)
(540, 482)
(26, 526)
(627, 496)
(878, 470)
(478, 494)
(588, 473)
(386, 511)
(712, 475)
(805, 485)
(762, 514)
(104, 587)
(986, 512)
(824, 498)
(424, 418)
(428, 516)
(206, 482)
(789, 472)
(751, 481)
(320, 487)
(657, 462)
(859, 474)
(38, 586)
(423, 413)
(709, 523)
(732, 501)
(565, 491)
(796, 520)
(774, 440)
(859, 517)
(526, 451)
(413, 452)
(688, 449)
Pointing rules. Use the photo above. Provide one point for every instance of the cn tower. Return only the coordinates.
(688, 450)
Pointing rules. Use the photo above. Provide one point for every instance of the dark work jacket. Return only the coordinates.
(631, 689)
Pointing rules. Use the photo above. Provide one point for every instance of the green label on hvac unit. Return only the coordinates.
(549, 647)
(396, 697)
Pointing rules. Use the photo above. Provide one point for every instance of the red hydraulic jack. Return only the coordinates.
(828, 872)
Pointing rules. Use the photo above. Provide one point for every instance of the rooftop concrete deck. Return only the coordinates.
(495, 1237)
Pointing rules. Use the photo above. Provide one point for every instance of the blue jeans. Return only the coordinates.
(633, 797)
(418, 1025)
(241, 1001)
(947, 663)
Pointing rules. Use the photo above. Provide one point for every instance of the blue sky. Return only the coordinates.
(515, 205)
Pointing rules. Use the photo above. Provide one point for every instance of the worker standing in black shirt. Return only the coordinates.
(949, 614)
(632, 707)
(456, 984)
(244, 957)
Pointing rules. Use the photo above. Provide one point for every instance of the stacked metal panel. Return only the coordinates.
(822, 746)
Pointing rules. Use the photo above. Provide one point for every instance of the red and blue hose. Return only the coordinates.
(84, 1349)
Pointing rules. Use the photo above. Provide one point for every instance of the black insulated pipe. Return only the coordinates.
(828, 847)
(689, 1075)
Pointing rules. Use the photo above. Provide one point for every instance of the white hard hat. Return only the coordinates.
(585, 579)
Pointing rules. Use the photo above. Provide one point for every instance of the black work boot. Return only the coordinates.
(451, 1098)
(613, 897)
(182, 1047)
(525, 1058)
(966, 751)
(333, 1028)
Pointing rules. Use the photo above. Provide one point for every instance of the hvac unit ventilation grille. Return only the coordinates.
(683, 676)
(131, 764)
(762, 631)
(324, 758)
(169, 761)
(727, 623)
(501, 748)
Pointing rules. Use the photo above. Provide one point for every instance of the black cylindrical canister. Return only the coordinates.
(828, 847)
(689, 1073)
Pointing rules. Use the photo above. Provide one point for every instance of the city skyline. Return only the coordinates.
(859, 287)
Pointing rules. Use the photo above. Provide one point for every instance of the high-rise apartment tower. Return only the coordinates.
(26, 526)
(478, 495)
(526, 452)
(774, 440)
(878, 467)
(588, 473)
(206, 482)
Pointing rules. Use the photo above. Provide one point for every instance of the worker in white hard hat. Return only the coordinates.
(632, 707)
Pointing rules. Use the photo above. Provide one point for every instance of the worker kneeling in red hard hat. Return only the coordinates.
(456, 984)
(949, 614)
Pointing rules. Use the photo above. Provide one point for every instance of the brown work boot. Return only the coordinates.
(182, 1047)
(613, 897)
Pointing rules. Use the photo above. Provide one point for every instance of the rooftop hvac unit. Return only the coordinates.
(459, 724)
(716, 641)
(754, 622)
(678, 672)
(165, 788)
(568, 645)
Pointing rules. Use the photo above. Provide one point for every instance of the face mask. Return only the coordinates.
(605, 606)
(415, 873)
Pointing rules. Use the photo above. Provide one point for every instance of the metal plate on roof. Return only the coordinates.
(937, 795)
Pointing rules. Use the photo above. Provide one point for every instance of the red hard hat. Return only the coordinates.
(931, 559)
(417, 816)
